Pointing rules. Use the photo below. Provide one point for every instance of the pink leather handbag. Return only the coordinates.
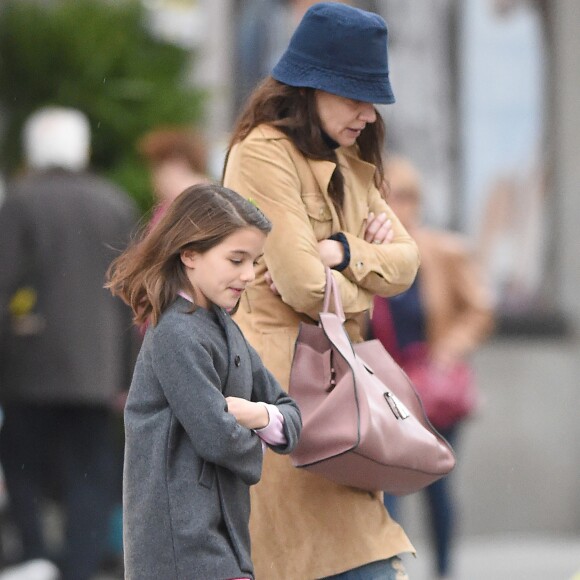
(363, 423)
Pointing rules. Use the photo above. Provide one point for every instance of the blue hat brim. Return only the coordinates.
(368, 89)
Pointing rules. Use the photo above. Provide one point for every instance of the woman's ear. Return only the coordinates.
(189, 258)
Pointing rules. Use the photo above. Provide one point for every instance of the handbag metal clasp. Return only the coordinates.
(332, 380)
(397, 407)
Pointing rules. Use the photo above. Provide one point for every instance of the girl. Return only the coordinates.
(201, 402)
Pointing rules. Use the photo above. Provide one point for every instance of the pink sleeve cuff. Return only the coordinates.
(273, 432)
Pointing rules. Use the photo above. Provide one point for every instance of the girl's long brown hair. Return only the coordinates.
(149, 274)
(293, 111)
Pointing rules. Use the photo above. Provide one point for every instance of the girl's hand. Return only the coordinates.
(248, 414)
(379, 229)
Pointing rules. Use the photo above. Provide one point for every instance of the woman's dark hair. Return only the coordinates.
(293, 111)
(149, 274)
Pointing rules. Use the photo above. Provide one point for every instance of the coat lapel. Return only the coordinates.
(359, 178)
(238, 383)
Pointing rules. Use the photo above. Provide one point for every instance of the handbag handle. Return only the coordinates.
(332, 288)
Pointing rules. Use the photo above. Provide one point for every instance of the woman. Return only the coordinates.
(432, 329)
(177, 159)
(307, 151)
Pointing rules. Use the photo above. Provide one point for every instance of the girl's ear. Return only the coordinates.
(188, 258)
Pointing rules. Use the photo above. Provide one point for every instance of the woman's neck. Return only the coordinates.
(329, 140)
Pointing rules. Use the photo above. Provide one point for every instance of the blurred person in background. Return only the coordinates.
(307, 150)
(66, 345)
(439, 322)
(177, 159)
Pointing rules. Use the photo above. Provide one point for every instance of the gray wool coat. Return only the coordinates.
(188, 463)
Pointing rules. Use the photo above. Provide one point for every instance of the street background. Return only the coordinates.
(488, 106)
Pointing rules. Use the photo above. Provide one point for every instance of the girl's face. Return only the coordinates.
(343, 119)
(220, 275)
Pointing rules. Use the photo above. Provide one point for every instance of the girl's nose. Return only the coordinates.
(367, 113)
(249, 273)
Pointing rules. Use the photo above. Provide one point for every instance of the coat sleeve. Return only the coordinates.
(265, 172)
(383, 269)
(474, 318)
(185, 369)
(266, 389)
(15, 249)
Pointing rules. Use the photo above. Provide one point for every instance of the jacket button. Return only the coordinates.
(237, 360)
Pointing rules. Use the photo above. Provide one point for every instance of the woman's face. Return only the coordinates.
(343, 119)
(171, 177)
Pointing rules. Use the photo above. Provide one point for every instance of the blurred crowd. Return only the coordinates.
(68, 347)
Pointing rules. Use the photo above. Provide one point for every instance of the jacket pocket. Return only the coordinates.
(206, 474)
(319, 214)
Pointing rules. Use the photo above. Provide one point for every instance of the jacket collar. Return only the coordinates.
(323, 170)
(364, 170)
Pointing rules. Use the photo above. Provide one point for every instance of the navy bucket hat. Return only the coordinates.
(341, 50)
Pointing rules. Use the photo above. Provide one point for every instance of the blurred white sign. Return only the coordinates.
(181, 22)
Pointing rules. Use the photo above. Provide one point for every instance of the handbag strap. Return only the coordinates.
(332, 288)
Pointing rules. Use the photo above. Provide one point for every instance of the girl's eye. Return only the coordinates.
(256, 262)
(234, 261)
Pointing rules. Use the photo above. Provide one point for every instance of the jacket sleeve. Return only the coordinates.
(265, 172)
(474, 318)
(185, 369)
(383, 269)
(15, 249)
(266, 389)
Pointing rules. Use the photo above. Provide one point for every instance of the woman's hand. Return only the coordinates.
(248, 414)
(270, 282)
(379, 229)
(331, 252)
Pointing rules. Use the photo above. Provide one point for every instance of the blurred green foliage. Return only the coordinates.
(100, 57)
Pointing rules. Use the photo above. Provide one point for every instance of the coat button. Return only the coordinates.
(237, 360)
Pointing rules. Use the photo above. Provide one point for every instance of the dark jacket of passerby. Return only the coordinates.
(63, 338)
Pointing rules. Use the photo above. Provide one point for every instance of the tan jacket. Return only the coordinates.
(458, 304)
(304, 526)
